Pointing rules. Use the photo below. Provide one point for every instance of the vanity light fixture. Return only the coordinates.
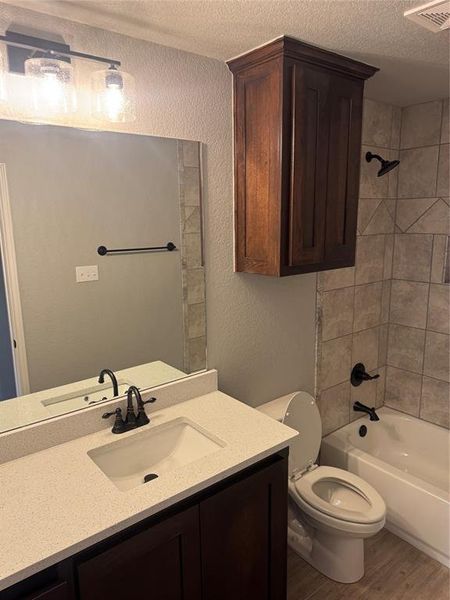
(113, 95)
(48, 67)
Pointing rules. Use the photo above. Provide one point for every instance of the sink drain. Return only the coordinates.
(150, 477)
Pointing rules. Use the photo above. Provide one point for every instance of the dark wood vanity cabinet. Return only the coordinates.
(297, 128)
(226, 543)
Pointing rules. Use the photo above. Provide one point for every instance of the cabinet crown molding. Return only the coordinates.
(286, 46)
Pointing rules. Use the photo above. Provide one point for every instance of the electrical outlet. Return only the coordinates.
(89, 273)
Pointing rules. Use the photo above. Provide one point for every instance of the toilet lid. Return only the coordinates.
(303, 415)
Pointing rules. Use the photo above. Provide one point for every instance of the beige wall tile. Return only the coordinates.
(369, 259)
(385, 301)
(193, 250)
(365, 349)
(336, 278)
(434, 406)
(367, 306)
(435, 220)
(396, 126)
(411, 209)
(383, 344)
(197, 354)
(409, 303)
(405, 348)
(418, 172)
(406, 247)
(381, 387)
(421, 124)
(335, 362)
(443, 170)
(403, 390)
(337, 313)
(191, 186)
(445, 137)
(438, 261)
(196, 320)
(439, 309)
(372, 186)
(388, 256)
(191, 153)
(192, 219)
(437, 355)
(195, 285)
(366, 210)
(381, 221)
(334, 407)
(392, 176)
(377, 123)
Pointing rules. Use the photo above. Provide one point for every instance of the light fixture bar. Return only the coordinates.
(55, 49)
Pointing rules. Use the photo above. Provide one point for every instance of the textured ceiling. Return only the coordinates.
(414, 62)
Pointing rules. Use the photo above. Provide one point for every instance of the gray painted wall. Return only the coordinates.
(71, 191)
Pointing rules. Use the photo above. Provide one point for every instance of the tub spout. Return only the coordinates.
(359, 407)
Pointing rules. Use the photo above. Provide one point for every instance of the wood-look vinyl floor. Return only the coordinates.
(395, 570)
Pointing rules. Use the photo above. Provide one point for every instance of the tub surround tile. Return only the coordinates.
(403, 390)
(365, 348)
(197, 354)
(377, 123)
(445, 137)
(196, 285)
(420, 247)
(191, 154)
(335, 364)
(369, 259)
(393, 175)
(434, 220)
(366, 210)
(417, 172)
(405, 348)
(383, 343)
(440, 243)
(196, 320)
(439, 309)
(409, 303)
(435, 404)
(367, 306)
(385, 301)
(436, 360)
(337, 313)
(334, 407)
(409, 210)
(396, 127)
(388, 256)
(443, 170)
(381, 387)
(335, 279)
(421, 125)
(381, 221)
(191, 186)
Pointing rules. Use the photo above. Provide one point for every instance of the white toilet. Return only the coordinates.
(331, 511)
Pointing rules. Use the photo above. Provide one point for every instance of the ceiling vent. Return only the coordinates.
(434, 16)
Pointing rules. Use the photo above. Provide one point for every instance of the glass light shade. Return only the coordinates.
(52, 86)
(113, 96)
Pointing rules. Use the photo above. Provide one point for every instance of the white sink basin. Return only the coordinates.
(154, 452)
(80, 398)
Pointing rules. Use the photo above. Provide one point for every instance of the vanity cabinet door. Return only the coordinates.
(160, 563)
(243, 538)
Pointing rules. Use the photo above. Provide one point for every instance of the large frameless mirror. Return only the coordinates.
(101, 267)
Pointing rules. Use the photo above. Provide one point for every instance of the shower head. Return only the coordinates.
(386, 165)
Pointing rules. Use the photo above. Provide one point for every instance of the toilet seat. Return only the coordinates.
(341, 495)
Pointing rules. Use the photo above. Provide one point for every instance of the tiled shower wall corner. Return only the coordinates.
(353, 303)
(417, 380)
(390, 311)
(192, 268)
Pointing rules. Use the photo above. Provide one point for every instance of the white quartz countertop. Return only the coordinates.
(57, 502)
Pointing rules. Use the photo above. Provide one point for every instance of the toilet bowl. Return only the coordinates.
(331, 511)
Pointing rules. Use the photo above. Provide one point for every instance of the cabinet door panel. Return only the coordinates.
(343, 171)
(243, 536)
(309, 118)
(59, 591)
(161, 563)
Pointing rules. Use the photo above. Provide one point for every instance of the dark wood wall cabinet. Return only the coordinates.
(297, 130)
(226, 543)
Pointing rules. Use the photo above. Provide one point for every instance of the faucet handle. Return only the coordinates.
(119, 424)
(359, 374)
(142, 418)
(149, 401)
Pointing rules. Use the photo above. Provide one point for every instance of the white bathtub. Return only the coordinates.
(407, 462)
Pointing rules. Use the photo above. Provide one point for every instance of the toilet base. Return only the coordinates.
(339, 558)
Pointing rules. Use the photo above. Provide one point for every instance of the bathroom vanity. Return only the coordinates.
(212, 525)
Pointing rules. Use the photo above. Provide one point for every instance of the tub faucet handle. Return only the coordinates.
(359, 374)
